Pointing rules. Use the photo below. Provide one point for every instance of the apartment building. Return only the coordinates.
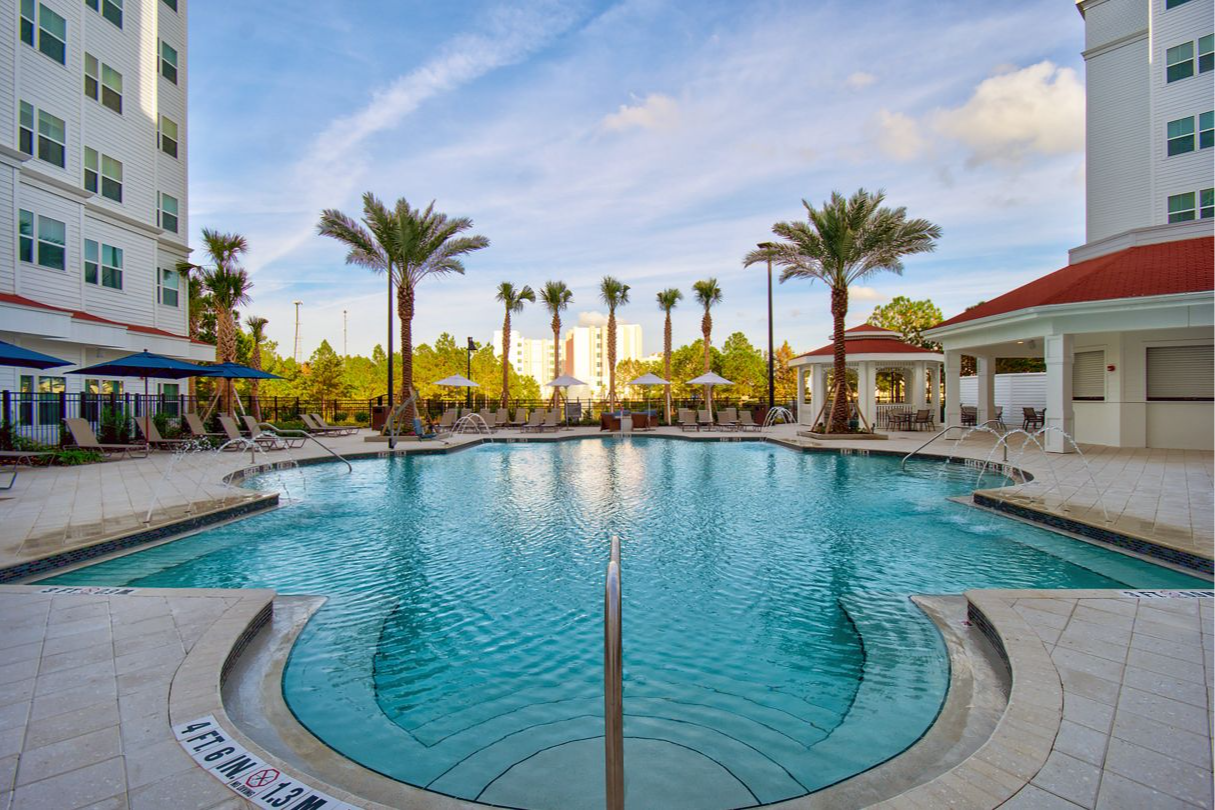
(585, 356)
(529, 357)
(94, 186)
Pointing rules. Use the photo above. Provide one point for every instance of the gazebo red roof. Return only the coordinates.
(1167, 268)
(867, 343)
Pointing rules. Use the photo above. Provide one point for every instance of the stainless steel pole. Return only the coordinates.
(613, 688)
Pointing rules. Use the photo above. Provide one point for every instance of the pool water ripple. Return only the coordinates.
(770, 648)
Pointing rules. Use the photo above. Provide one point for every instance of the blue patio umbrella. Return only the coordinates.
(144, 364)
(235, 371)
(11, 355)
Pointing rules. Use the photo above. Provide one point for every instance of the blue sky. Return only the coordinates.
(654, 141)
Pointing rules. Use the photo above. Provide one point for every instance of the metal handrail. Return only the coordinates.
(393, 418)
(289, 431)
(903, 463)
(613, 687)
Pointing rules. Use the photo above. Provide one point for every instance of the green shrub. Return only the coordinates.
(115, 426)
(74, 456)
(362, 417)
(164, 425)
(339, 417)
(10, 439)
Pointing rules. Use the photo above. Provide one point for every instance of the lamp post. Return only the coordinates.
(472, 347)
(771, 351)
(391, 442)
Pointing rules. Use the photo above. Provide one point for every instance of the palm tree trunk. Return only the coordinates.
(556, 355)
(666, 357)
(611, 325)
(405, 313)
(839, 405)
(706, 328)
(226, 338)
(255, 385)
(506, 359)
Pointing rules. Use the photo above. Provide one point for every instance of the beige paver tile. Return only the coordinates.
(78, 788)
(70, 724)
(1167, 775)
(1081, 742)
(1163, 710)
(68, 754)
(1035, 798)
(1165, 739)
(1119, 793)
(1070, 778)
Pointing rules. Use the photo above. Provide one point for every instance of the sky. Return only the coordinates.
(655, 141)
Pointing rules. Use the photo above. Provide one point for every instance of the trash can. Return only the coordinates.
(379, 415)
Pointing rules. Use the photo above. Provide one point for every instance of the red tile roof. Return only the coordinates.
(1168, 268)
(78, 315)
(870, 346)
(868, 327)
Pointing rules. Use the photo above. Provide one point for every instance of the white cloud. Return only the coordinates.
(899, 135)
(860, 80)
(592, 319)
(866, 294)
(1036, 109)
(655, 112)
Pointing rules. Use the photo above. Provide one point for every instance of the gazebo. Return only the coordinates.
(870, 350)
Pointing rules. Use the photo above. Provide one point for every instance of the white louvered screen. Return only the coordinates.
(1181, 372)
(1088, 375)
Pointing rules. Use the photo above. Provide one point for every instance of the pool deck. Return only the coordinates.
(1110, 705)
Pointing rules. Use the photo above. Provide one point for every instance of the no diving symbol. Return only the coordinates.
(262, 778)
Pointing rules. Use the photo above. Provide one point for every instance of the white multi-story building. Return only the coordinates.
(585, 356)
(93, 186)
(1150, 67)
(529, 357)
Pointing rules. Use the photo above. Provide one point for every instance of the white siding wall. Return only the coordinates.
(59, 287)
(1013, 392)
(8, 231)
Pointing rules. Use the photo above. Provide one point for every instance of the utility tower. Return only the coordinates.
(345, 352)
(296, 352)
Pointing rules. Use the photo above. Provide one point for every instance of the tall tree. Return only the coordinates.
(667, 299)
(556, 297)
(326, 374)
(615, 294)
(909, 318)
(409, 243)
(846, 240)
(227, 286)
(257, 333)
(513, 300)
(708, 294)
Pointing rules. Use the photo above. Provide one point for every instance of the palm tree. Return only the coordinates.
(707, 294)
(556, 297)
(667, 299)
(227, 285)
(257, 331)
(846, 240)
(409, 244)
(615, 294)
(513, 300)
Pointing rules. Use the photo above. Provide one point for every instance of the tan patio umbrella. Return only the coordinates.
(648, 380)
(710, 380)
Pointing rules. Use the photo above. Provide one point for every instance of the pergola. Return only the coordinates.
(869, 351)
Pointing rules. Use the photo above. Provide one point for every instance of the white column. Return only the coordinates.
(865, 381)
(818, 390)
(985, 367)
(953, 387)
(935, 389)
(1059, 352)
(802, 417)
(915, 386)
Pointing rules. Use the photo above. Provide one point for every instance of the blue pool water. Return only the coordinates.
(770, 648)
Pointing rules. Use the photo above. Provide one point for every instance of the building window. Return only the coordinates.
(1206, 130)
(102, 83)
(48, 391)
(52, 31)
(1181, 207)
(25, 235)
(92, 169)
(168, 136)
(111, 178)
(170, 284)
(1207, 203)
(1206, 53)
(110, 9)
(1174, 3)
(1181, 136)
(52, 243)
(91, 259)
(1180, 62)
(25, 135)
(168, 62)
(111, 267)
(1088, 376)
(52, 135)
(170, 3)
(1181, 373)
(92, 77)
(168, 212)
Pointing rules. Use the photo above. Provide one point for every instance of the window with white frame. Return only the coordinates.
(52, 243)
(25, 235)
(1180, 136)
(111, 88)
(1174, 3)
(1179, 62)
(170, 3)
(25, 128)
(170, 287)
(1206, 130)
(102, 264)
(110, 9)
(168, 212)
(92, 261)
(48, 34)
(1088, 376)
(1181, 207)
(92, 169)
(1206, 203)
(168, 136)
(92, 77)
(52, 139)
(102, 174)
(168, 61)
(1206, 53)
(1181, 373)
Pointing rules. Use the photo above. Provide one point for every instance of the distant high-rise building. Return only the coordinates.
(585, 355)
(529, 357)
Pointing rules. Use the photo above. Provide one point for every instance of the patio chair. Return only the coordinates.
(923, 419)
(197, 429)
(488, 416)
(447, 421)
(1000, 418)
(727, 419)
(1032, 418)
(704, 419)
(520, 418)
(502, 418)
(151, 435)
(900, 420)
(233, 434)
(970, 415)
(12, 459)
(85, 439)
(747, 422)
(550, 421)
(687, 419)
(255, 430)
(334, 430)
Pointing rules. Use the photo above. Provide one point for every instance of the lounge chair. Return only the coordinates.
(334, 430)
(419, 430)
(520, 418)
(314, 425)
(704, 419)
(550, 421)
(687, 420)
(447, 421)
(727, 419)
(12, 459)
(502, 418)
(535, 421)
(152, 436)
(488, 415)
(255, 430)
(197, 429)
(85, 439)
(1032, 418)
(233, 434)
(747, 422)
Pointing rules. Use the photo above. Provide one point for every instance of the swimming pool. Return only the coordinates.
(770, 648)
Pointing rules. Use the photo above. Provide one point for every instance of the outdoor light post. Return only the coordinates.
(391, 443)
(771, 351)
(472, 347)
